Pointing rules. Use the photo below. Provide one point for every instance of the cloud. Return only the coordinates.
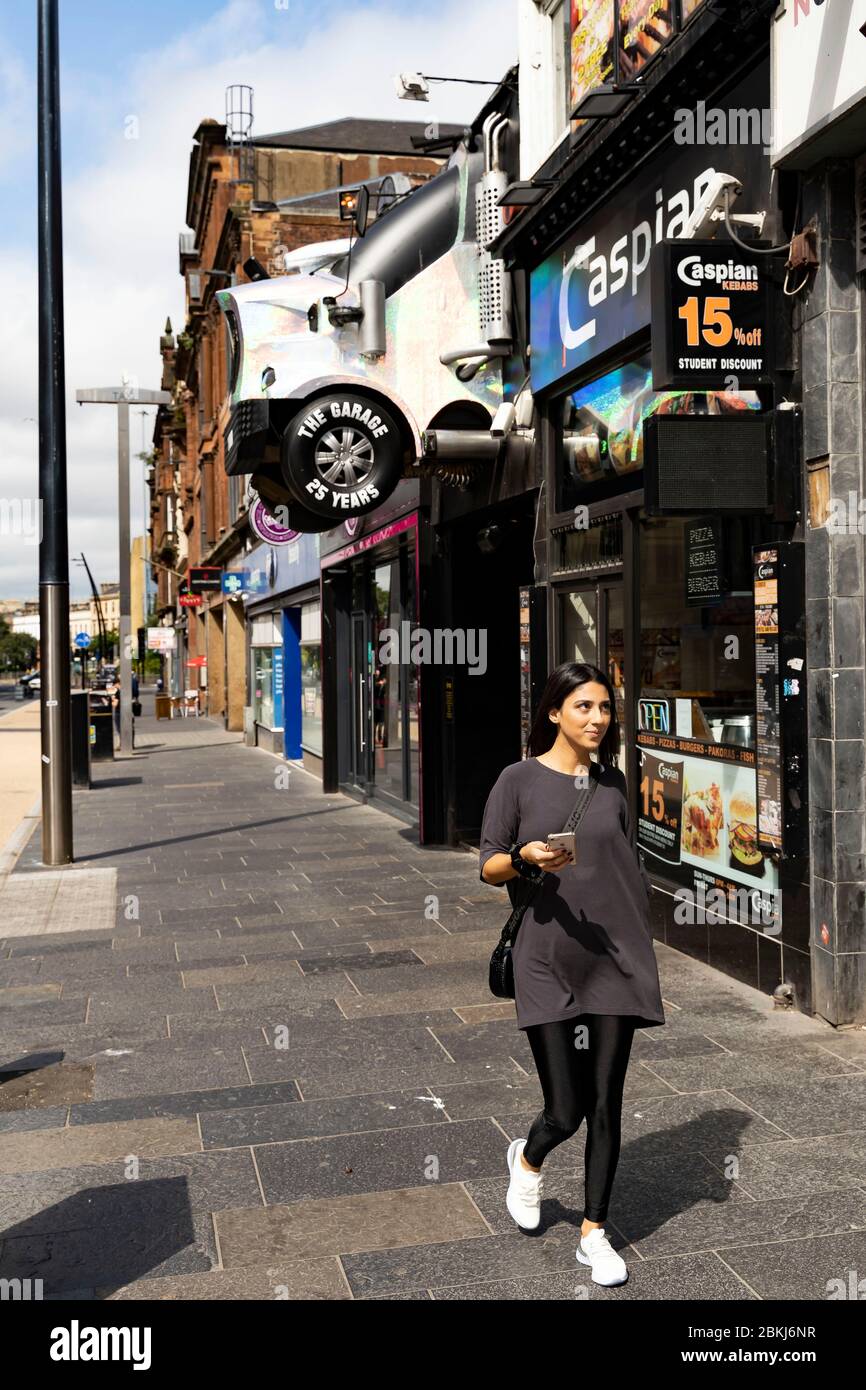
(126, 204)
(17, 99)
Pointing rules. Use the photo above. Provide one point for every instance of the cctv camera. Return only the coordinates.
(710, 207)
(411, 87)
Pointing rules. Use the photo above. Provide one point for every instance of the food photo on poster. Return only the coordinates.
(697, 818)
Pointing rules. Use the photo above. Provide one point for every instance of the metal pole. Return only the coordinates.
(54, 696)
(123, 574)
(120, 396)
(103, 635)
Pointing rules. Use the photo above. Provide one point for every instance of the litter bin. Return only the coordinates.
(80, 712)
(163, 706)
(101, 726)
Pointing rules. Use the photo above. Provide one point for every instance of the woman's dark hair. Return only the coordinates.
(560, 684)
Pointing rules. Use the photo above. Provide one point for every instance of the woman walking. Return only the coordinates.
(585, 973)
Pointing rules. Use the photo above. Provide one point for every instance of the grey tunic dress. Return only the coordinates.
(585, 943)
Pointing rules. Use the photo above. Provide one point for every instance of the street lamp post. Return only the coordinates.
(54, 695)
(120, 396)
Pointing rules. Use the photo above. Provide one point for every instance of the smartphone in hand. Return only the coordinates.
(563, 839)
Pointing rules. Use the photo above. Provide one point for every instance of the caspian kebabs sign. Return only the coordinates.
(710, 319)
(593, 291)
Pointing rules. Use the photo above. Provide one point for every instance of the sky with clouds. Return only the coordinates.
(124, 200)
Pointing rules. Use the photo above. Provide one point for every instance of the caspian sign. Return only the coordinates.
(594, 291)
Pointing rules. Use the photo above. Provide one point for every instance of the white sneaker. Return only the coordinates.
(607, 1266)
(523, 1198)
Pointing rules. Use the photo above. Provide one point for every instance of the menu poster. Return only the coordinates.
(592, 46)
(645, 26)
(767, 728)
(660, 805)
(703, 560)
(697, 818)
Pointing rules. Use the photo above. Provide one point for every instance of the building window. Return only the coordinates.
(203, 505)
(266, 664)
(599, 429)
(263, 685)
(234, 498)
(311, 677)
(549, 85)
(698, 657)
(560, 33)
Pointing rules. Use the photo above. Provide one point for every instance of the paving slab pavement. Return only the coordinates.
(20, 776)
(247, 1051)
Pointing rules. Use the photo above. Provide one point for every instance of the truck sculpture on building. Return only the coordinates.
(364, 360)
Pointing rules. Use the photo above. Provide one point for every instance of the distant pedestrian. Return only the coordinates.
(113, 689)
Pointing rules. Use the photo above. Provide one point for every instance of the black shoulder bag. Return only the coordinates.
(501, 975)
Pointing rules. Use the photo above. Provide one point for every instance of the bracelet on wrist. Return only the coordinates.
(521, 865)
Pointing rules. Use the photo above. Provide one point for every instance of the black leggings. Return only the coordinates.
(582, 1081)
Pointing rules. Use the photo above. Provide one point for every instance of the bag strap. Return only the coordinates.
(584, 797)
(581, 805)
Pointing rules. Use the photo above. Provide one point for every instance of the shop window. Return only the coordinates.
(263, 685)
(311, 677)
(599, 429)
(266, 665)
(697, 658)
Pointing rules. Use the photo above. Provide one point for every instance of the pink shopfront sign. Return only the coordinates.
(384, 533)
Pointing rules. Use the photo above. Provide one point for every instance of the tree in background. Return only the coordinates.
(17, 650)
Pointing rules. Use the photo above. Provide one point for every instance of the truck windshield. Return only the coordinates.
(414, 234)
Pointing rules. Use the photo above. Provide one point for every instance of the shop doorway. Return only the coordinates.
(383, 681)
(360, 676)
(591, 627)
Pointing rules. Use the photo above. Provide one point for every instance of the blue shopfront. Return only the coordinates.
(283, 619)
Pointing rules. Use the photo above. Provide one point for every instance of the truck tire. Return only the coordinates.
(342, 456)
